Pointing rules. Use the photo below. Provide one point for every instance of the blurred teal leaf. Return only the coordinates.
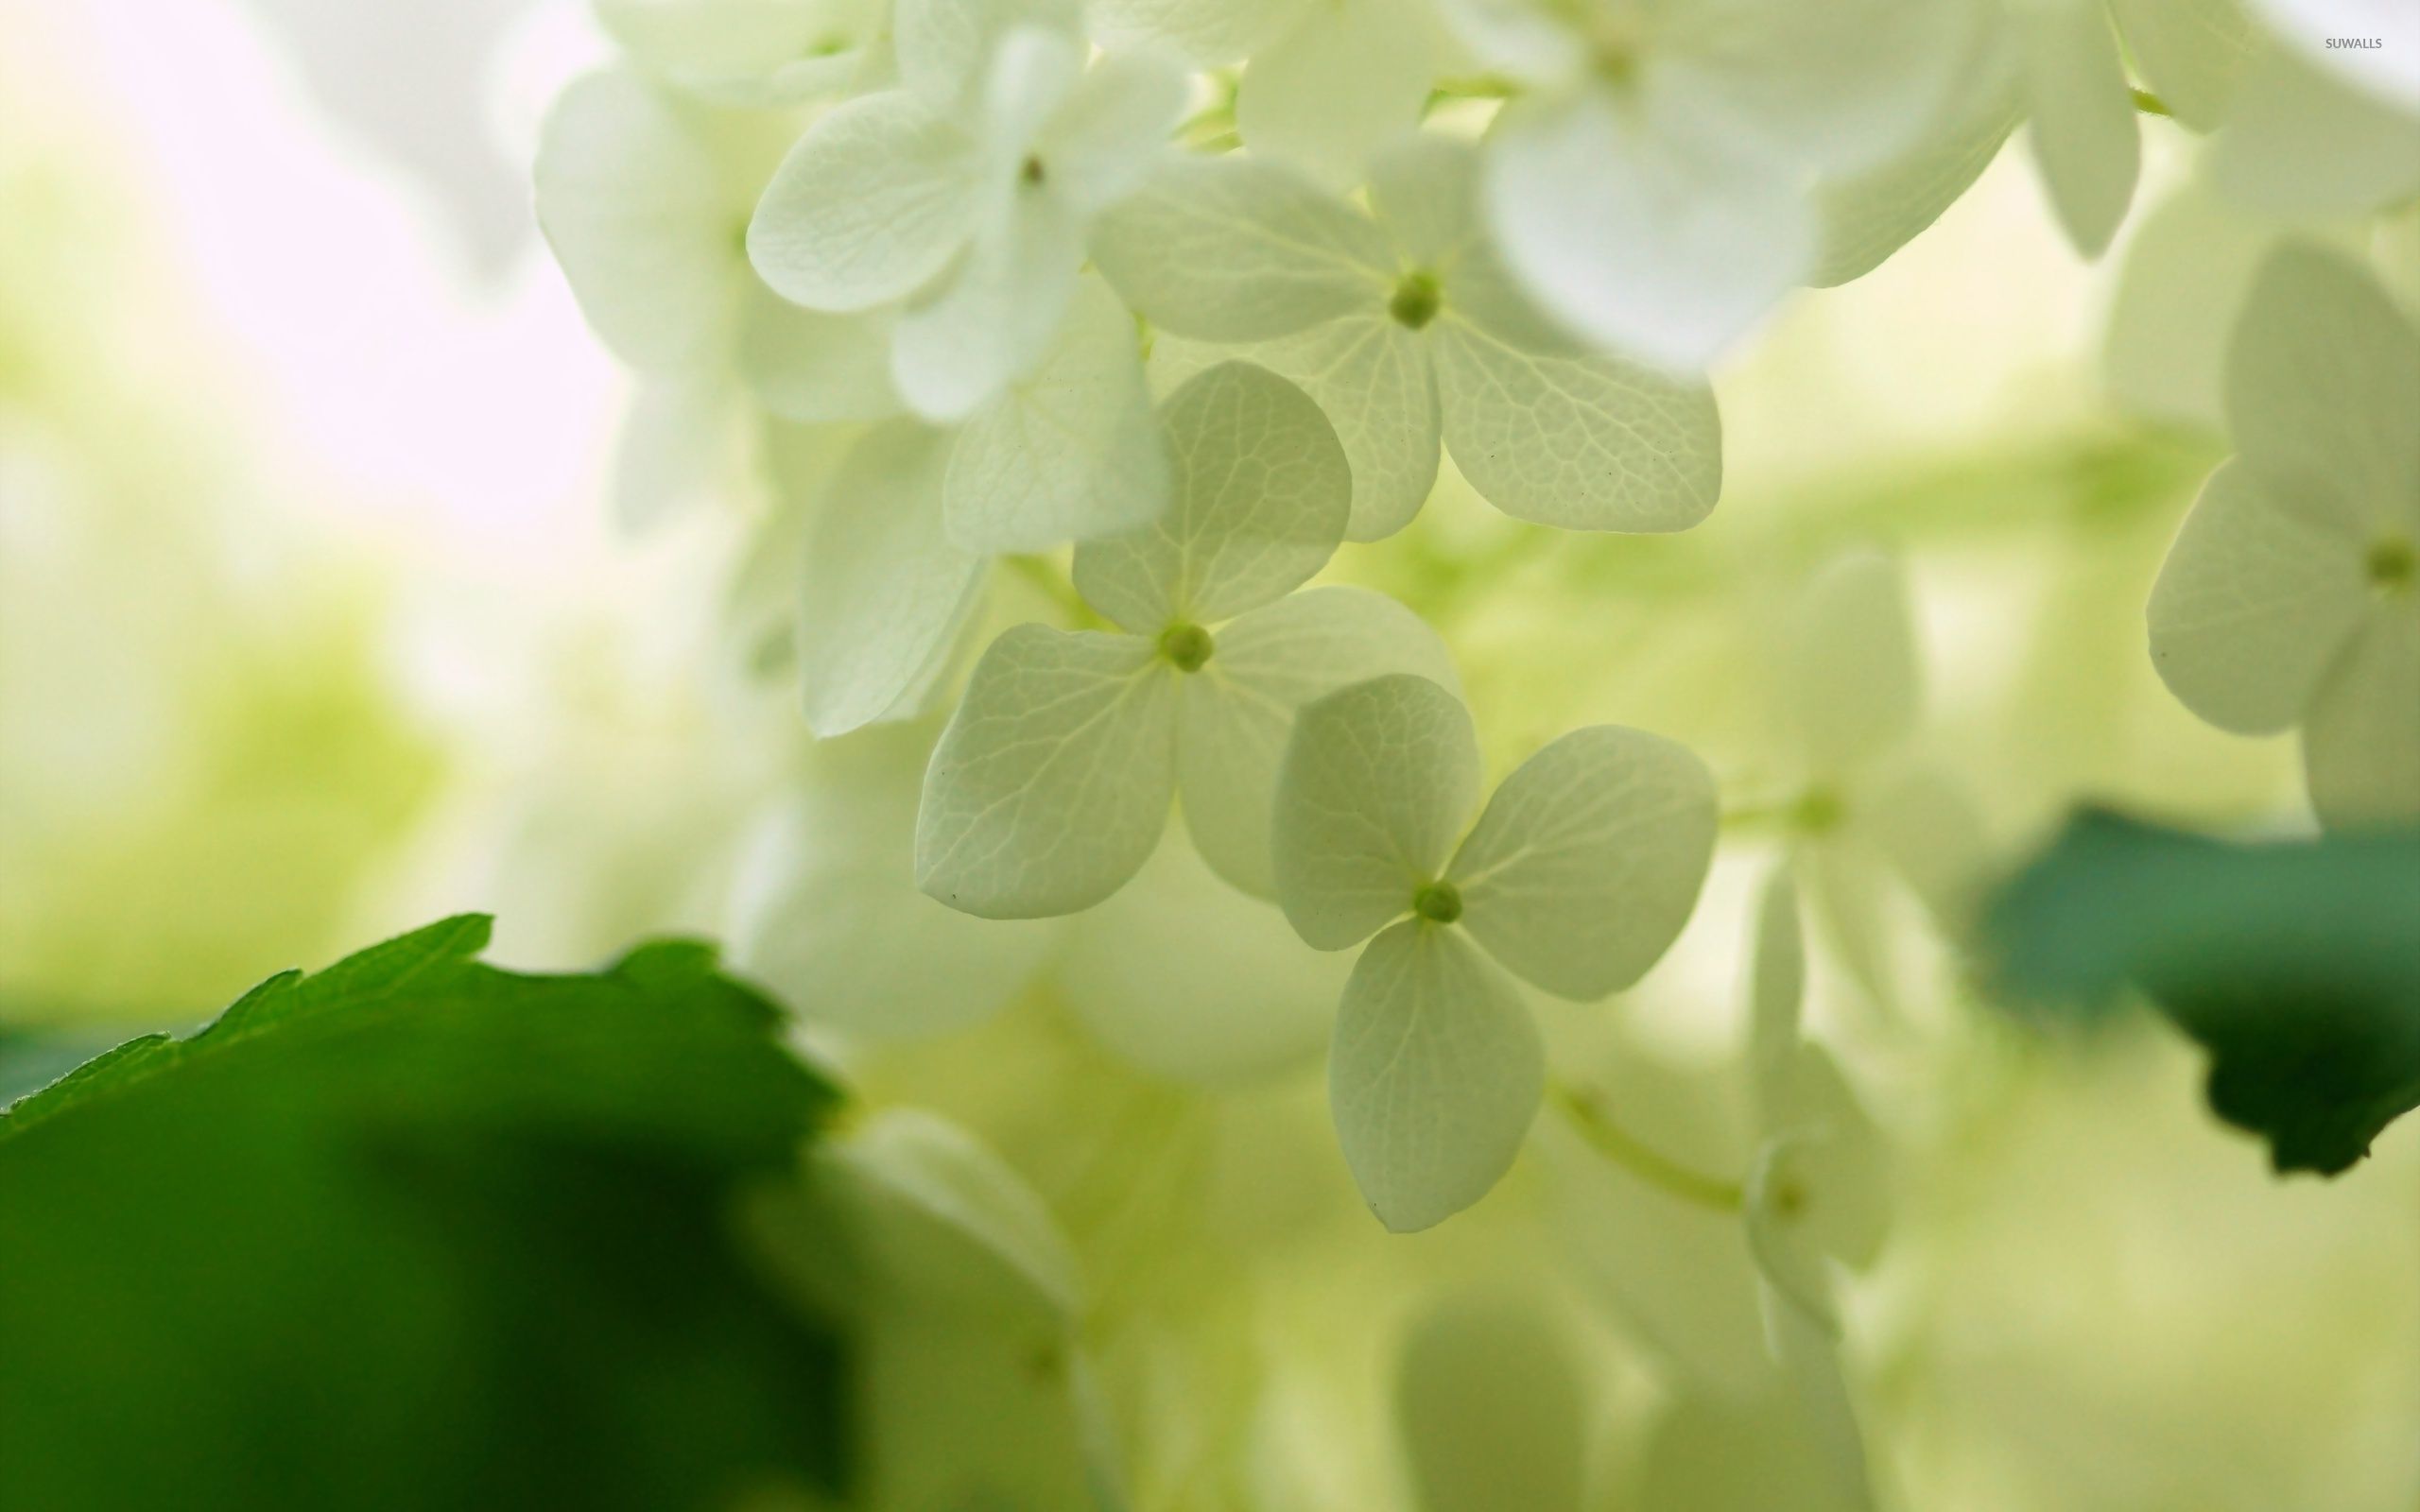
(416, 1232)
(2295, 963)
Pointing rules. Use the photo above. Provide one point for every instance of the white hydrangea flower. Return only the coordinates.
(1654, 185)
(754, 53)
(1052, 783)
(2291, 597)
(1582, 870)
(1407, 331)
(965, 191)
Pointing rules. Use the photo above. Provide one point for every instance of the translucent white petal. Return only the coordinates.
(2252, 605)
(2389, 75)
(1789, 1261)
(1110, 131)
(1533, 40)
(1589, 859)
(1490, 1407)
(2361, 742)
(885, 594)
(1031, 73)
(1579, 442)
(2300, 142)
(1848, 670)
(1424, 193)
(992, 317)
(1377, 784)
(1810, 1358)
(875, 200)
(1846, 890)
(1868, 216)
(1776, 986)
(1231, 248)
(1434, 1074)
(2190, 266)
(947, 48)
(2080, 115)
(1190, 980)
(1331, 90)
(2191, 53)
(1209, 32)
(638, 209)
(1052, 782)
(2323, 380)
(1070, 450)
(1829, 1189)
(1237, 710)
(745, 52)
(682, 443)
(816, 368)
(1373, 379)
(830, 918)
(1262, 495)
(1666, 247)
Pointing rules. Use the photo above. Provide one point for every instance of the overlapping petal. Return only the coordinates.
(2079, 115)
(873, 202)
(2361, 741)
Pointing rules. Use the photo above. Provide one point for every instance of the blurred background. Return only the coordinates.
(316, 623)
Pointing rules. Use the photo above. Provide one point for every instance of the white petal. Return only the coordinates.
(682, 443)
(991, 317)
(1328, 93)
(1811, 1359)
(1845, 1210)
(1192, 981)
(874, 200)
(1235, 249)
(2190, 52)
(1052, 783)
(744, 52)
(2300, 142)
(1237, 710)
(1262, 495)
(1776, 986)
(1109, 133)
(1791, 1264)
(1376, 782)
(2080, 115)
(2362, 742)
(1072, 449)
(947, 48)
(2323, 380)
(1579, 442)
(1490, 1407)
(1534, 41)
(1926, 824)
(1589, 859)
(885, 594)
(830, 917)
(2252, 605)
(1847, 669)
(1372, 378)
(1434, 1076)
(1868, 216)
(1846, 881)
(815, 368)
(1209, 32)
(2190, 267)
(638, 209)
(2389, 75)
(1670, 248)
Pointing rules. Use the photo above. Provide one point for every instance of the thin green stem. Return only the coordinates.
(2150, 104)
(1642, 1160)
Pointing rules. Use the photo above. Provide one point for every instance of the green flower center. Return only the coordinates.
(1186, 646)
(2392, 563)
(1415, 301)
(1439, 903)
(1033, 171)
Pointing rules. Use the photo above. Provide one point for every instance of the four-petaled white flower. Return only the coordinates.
(965, 191)
(2291, 597)
(1654, 184)
(1406, 329)
(1582, 870)
(1052, 783)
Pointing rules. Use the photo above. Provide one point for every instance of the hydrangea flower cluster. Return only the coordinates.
(1082, 343)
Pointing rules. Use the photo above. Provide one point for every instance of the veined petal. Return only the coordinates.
(1434, 1076)
(1208, 32)
(1668, 247)
(1238, 249)
(2300, 141)
(1237, 710)
(2361, 742)
(2080, 115)
(1110, 131)
(1491, 1409)
(816, 368)
(1263, 491)
(1052, 782)
(874, 200)
(2191, 53)
(1070, 450)
(1331, 90)
(1376, 782)
(1192, 981)
(2323, 380)
(1848, 672)
(885, 594)
(635, 207)
(990, 319)
(2252, 604)
(1589, 859)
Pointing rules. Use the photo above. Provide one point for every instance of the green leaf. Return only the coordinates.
(2295, 963)
(413, 1232)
